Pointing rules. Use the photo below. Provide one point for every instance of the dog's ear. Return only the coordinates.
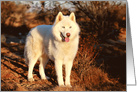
(72, 17)
(59, 17)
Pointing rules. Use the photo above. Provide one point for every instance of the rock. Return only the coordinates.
(3, 38)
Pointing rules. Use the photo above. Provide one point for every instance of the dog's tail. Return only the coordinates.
(28, 49)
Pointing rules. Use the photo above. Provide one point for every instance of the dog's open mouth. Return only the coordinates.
(64, 39)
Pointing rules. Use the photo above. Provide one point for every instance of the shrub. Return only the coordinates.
(103, 19)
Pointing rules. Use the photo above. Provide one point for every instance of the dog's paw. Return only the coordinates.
(68, 86)
(30, 79)
(45, 78)
(62, 85)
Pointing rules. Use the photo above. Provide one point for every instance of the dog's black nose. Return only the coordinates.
(68, 34)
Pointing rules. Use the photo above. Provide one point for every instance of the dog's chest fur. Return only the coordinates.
(60, 50)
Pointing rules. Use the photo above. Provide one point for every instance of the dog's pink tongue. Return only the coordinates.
(66, 39)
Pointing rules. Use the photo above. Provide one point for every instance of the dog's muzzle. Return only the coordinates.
(64, 39)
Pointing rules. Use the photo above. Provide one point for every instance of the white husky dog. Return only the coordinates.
(58, 42)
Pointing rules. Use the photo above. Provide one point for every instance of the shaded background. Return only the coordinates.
(100, 63)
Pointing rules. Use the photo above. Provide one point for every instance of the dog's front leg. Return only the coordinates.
(58, 68)
(68, 67)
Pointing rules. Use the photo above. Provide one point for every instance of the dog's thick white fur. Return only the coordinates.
(58, 42)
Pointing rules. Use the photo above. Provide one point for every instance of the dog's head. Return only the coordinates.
(65, 28)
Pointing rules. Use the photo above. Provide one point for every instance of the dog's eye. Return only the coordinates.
(70, 27)
(63, 26)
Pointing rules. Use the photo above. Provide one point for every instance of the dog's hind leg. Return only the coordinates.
(31, 64)
(43, 61)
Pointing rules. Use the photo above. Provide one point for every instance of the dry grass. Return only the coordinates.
(12, 14)
(91, 77)
(102, 19)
